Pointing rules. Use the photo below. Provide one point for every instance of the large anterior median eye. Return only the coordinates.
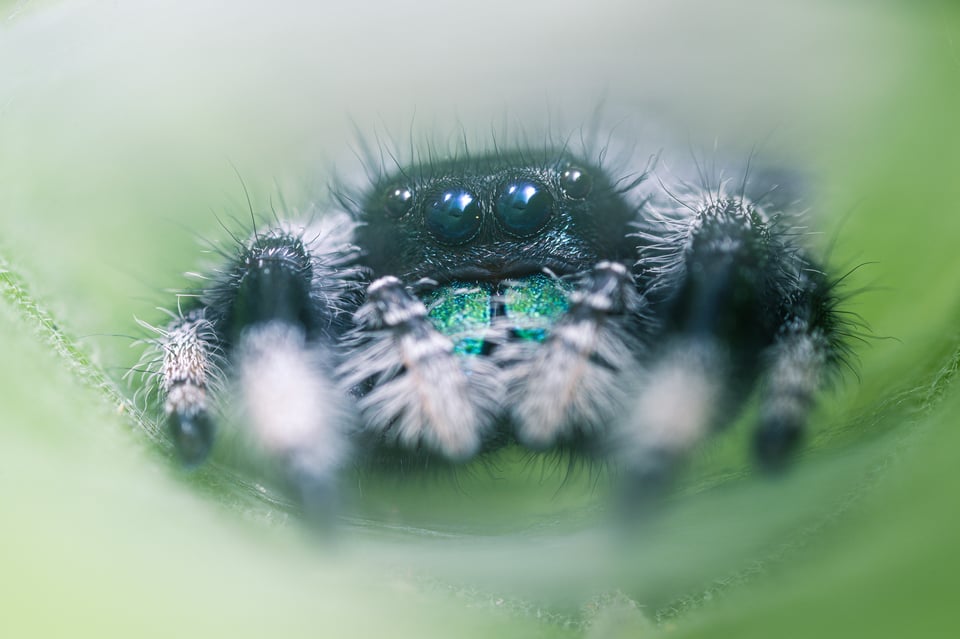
(454, 217)
(524, 208)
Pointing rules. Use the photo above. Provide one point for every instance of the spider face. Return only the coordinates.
(454, 307)
(493, 218)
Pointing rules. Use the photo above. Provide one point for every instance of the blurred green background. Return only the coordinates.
(120, 124)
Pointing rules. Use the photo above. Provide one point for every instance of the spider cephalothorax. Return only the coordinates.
(493, 217)
(454, 306)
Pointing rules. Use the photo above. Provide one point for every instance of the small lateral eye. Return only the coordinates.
(398, 201)
(524, 208)
(453, 217)
(576, 182)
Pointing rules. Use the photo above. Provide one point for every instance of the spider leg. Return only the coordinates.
(285, 302)
(808, 346)
(676, 400)
(570, 387)
(272, 313)
(417, 393)
(189, 366)
(726, 278)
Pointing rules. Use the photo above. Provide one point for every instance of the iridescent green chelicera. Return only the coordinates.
(464, 311)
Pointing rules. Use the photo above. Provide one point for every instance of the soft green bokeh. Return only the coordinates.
(120, 124)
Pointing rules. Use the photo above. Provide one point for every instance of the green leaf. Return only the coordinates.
(119, 126)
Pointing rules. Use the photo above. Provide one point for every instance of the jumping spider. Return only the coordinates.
(457, 305)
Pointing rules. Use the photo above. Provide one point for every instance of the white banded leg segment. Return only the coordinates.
(795, 365)
(189, 368)
(676, 402)
(422, 394)
(574, 383)
(290, 405)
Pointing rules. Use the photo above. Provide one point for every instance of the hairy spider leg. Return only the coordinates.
(188, 369)
(733, 291)
(808, 347)
(277, 307)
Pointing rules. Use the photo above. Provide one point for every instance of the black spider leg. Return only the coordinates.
(289, 301)
(273, 312)
(189, 367)
(734, 292)
(417, 394)
(569, 389)
(807, 348)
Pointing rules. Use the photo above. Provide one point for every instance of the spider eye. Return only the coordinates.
(576, 182)
(397, 201)
(524, 208)
(454, 217)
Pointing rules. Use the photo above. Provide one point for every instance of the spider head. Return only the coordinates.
(493, 217)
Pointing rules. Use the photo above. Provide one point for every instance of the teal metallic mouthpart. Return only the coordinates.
(464, 311)
(534, 304)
